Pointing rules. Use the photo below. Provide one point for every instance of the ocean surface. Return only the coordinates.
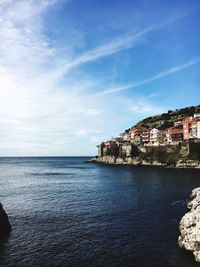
(65, 212)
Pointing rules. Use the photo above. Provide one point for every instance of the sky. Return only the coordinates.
(76, 72)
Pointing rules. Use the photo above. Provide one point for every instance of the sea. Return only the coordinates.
(67, 212)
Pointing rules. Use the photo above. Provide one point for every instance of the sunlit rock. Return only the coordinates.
(189, 226)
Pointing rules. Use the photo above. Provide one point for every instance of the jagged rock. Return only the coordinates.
(120, 161)
(137, 161)
(189, 226)
(5, 227)
(183, 163)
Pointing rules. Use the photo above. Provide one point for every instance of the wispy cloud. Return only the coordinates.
(2, 2)
(143, 107)
(121, 43)
(126, 41)
(40, 114)
(151, 79)
(47, 110)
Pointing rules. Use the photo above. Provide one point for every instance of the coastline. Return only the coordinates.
(111, 160)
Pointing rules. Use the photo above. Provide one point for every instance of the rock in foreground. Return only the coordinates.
(189, 226)
(5, 227)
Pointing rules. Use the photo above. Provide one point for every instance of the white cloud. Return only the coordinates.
(142, 107)
(2, 2)
(41, 112)
(35, 109)
(121, 43)
(151, 79)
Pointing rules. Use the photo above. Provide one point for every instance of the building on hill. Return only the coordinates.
(197, 117)
(100, 150)
(189, 129)
(133, 132)
(198, 130)
(177, 134)
(135, 135)
(185, 129)
(178, 123)
(155, 137)
(173, 135)
(145, 136)
(166, 136)
(108, 148)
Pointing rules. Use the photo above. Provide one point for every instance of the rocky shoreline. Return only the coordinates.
(189, 226)
(111, 160)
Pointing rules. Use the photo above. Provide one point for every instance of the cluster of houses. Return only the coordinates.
(184, 130)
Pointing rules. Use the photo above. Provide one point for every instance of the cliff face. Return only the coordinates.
(180, 156)
(189, 226)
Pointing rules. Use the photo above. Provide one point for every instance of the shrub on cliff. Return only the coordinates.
(172, 159)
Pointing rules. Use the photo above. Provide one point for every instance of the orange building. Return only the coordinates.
(173, 134)
(189, 128)
(133, 132)
(145, 136)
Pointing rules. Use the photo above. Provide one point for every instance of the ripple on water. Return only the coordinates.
(65, 212)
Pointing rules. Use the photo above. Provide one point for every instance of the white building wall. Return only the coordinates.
(155, 136)
(198, 129)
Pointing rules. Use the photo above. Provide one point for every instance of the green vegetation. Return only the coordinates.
(166, 125)
(172, 159)
(166, 120)
(184, 144)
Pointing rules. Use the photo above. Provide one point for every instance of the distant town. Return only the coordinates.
(182, 129)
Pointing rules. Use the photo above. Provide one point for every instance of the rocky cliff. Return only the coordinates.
(5, 227)
(137, 161)
(189, 226)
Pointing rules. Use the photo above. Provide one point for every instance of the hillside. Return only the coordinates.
(179, 146)
(166, 120)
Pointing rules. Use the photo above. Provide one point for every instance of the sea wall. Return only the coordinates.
(189, 226)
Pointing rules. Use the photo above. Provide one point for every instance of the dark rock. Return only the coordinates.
(5, 227)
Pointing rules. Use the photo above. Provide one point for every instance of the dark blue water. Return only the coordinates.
(68, 213)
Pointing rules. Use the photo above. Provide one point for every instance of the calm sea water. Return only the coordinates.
(65, 212)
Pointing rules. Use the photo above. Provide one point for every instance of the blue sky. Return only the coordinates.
(76, 72)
